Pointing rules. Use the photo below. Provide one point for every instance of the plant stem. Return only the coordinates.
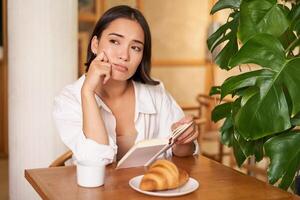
(291, 45)
(297, 184)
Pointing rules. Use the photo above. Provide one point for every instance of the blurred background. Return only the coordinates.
(43, 48)
(179, 32)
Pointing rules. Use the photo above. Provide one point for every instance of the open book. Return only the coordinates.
(145, 152)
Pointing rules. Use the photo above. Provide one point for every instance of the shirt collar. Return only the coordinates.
(143, 99)
(102, 104)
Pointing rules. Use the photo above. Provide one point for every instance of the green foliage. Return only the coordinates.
(284, 153)
(266, 111)
(227, 32)
(220, 5)
(262, 16)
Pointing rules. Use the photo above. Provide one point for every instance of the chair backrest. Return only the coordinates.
(207, 104)
(208, 130)
(195, 111)
(60, 161)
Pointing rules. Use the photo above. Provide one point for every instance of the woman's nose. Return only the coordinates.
(124, 54)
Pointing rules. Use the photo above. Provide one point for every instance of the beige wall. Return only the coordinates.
(179, 32)
(111, 3)
(178, 28)
(183, 83)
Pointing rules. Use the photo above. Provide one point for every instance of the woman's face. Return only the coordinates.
(123, 43)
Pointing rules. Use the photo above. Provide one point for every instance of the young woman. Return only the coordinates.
(116, 103)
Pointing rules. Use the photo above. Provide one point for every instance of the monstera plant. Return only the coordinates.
(263, 119)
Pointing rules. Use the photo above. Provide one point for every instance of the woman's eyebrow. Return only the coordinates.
(116, 34)
(122, 36)
(138, 42)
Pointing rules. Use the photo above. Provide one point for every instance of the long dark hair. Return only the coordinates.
(142, 73)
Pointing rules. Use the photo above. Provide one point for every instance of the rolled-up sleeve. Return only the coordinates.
(67, 115)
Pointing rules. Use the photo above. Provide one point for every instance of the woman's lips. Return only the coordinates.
(120, 68)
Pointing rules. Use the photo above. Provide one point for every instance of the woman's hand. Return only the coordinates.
(99, 73)
(184, 145)
(93, 125)
(190, 134)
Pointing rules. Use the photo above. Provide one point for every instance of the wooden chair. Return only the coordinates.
(210, 130)
(195, 111)
(254, 169)
(60, 161)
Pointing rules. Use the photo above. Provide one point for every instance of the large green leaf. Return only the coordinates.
(230, 137)
(288, 100)
(221, 111)
(244, 80)
(264, 50)
(269, 108)
(227, 129)
(223, 4)
(290, 76)
(292, 46)
(222, 59)
(262, 117)
(230, 134)
(221, 35)
(227, 32)
(227, 132)
(261, 16)
(238, 153)
(287, 38)
(250, 148)
(267, 112)
(247, 94)
(284, 153)
(215, 90)
(294, 15)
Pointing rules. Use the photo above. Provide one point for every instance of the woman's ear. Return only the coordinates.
(94, 45)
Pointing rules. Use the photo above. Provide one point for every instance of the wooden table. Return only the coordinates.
(217, 182)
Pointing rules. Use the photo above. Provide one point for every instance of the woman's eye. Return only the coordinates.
(114, 42)
(136, 48)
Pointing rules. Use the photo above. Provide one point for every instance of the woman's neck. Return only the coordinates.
(113, 89)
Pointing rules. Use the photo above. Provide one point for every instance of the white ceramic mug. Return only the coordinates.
(90, 174)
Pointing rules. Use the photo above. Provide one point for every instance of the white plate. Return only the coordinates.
(187, 188)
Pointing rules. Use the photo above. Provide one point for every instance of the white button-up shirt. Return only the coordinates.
(155, 112)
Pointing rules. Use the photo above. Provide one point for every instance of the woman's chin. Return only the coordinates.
(119, 78)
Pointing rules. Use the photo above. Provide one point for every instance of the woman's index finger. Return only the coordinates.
(105, 58)
(100, 56)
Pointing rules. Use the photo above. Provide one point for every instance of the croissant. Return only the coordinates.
(163, 175)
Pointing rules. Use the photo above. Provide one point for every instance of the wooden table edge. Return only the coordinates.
(29, 177)
(34, 185)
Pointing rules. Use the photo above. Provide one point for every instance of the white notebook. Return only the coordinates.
(145, 152)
